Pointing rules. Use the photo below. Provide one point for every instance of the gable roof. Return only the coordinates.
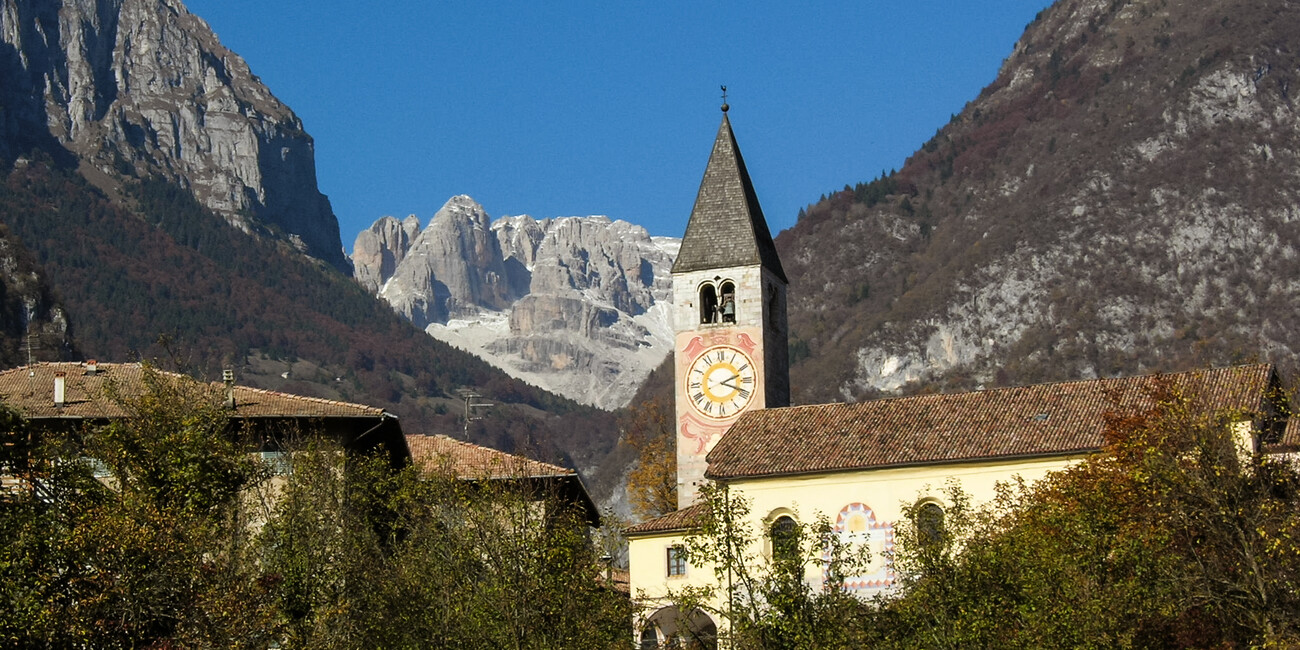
(685, 519)
(469, 461)
(727, 227)
(1042, 420)
(30, 391)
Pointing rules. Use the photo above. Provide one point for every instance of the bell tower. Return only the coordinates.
(729, 302)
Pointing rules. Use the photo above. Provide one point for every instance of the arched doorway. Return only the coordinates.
(673, 629)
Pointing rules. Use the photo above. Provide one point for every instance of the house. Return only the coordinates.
(860, 465)
(475, 463)
(69, 395)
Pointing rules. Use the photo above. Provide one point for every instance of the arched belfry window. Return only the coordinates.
(708, 303)
(728, 306)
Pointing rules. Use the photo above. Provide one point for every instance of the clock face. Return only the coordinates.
(720, 382)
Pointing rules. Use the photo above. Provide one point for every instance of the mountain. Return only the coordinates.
(1122, 198)
(159, 203)
(143, 88)
(576, 305)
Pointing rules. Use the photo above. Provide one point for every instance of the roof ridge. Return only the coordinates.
(996, 389)
(308, 398)
(526, 459)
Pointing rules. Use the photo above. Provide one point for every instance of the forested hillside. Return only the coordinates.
(166, 279)
(1122, 198)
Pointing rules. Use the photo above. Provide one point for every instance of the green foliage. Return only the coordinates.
(1168, 538)
(163, 529)
(765, 595)
(370, 558)
(132, 532)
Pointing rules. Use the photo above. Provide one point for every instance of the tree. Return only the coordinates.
(765, 597)
(1171, 536)
(164, 529)
(371, 558)
(130, 534)
(652, 483)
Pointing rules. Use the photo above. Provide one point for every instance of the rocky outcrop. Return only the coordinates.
(1121, 199)
(143, 88)
(453, 268)
(577, 305)
(380, 248)
(33, 325)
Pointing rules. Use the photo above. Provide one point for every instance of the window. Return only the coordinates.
(708, 303)
(728, 307)
(676, 561)
(649, 639)
(929, 523)
(785, 540)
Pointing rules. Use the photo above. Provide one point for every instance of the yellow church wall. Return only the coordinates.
(863, 505)
(866, 505)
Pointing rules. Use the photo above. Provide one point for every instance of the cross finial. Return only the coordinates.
(724, 100)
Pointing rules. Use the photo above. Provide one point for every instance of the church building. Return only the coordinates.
(861, 465)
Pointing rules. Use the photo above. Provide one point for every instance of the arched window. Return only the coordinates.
(785, 540)
(649, 638)
(728, 306)
(929, 523)
(708, 303)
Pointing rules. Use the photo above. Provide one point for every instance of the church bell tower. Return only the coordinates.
(729, 303)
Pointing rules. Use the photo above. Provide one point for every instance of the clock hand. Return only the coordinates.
(724, 382)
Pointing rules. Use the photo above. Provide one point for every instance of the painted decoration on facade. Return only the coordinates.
(856, 524)
(700, 432)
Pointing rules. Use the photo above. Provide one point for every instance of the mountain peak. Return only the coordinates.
(143, 89)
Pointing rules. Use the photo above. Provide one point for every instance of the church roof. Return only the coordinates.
(727, 228)
(1028, 421)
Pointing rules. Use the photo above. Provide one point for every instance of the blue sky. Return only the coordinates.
(575, 108)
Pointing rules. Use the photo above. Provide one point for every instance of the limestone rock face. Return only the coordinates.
(143, 88)
(577, 305)
(453, 268)
(379, 249)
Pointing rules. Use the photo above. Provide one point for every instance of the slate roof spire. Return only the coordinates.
(727, 228)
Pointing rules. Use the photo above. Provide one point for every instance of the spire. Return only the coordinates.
(727, 228)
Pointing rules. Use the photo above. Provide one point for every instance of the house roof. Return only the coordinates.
(727, 227)
(30, 390)
(470, 461)
(1290, 440)
(684, 519)
(1046, 419)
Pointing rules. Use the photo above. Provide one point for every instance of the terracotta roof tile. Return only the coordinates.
(684, 519)
(1290, 441)
(470, 461)
(30, 390)
(1046, 419)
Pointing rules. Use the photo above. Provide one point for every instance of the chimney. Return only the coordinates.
(60, 388)
(228, 378)
(92, 368)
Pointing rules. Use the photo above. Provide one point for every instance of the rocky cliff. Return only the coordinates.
(1122, 198)
(143, 88)
(577, 305)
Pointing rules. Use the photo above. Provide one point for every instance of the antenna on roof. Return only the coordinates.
(469, 396)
